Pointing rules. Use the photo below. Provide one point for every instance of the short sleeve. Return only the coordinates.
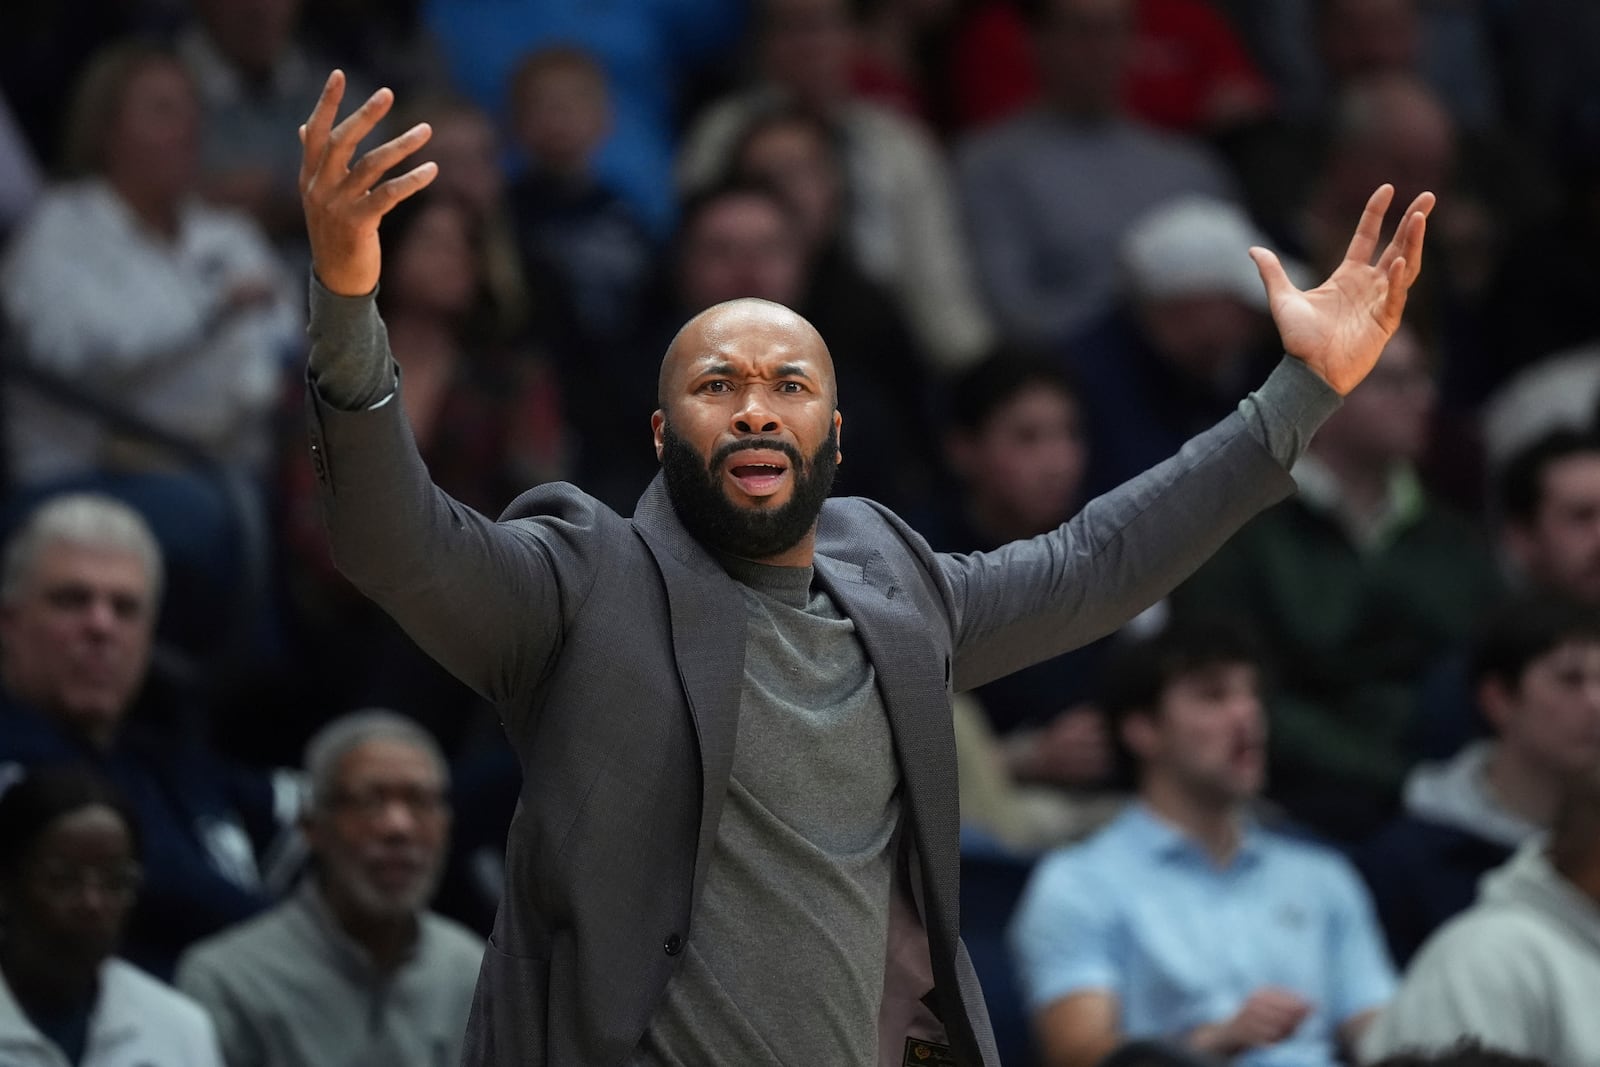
(1361, 975)
(1062, 936)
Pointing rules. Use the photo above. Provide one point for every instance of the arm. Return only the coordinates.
(1034, 599)
(1078, 1031)
(487, 600)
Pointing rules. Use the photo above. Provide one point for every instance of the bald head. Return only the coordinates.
(745, 324)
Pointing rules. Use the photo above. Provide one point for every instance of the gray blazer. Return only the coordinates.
(614, 649)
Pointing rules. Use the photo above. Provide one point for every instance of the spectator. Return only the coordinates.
(179, 313)
(1184, 920)
(902, 222)
(1189, 72)
(1549, 503)
(255, 83)
(1547, 512)
(1536, 670)
(1188, 327)
(651, 52)
(353, 967)
(1014, 441)
(69, 872)
(78, 597)
(1046, 193)
(1519, 969)
(1357, 585)
(591, 254)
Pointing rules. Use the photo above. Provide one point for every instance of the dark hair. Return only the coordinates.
(779, 116)
(987, 386)
(699, 203)
(1141, 670)
(44, 794)
(1520, 485)
(1465, 1053)
(1523, 629)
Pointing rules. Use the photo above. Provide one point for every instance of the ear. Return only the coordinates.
(960, 451)
(1140, 734)
(838, 436)
(657, 422)
(1497, 703)
(1519, 545)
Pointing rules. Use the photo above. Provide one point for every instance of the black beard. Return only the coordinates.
(694, 485)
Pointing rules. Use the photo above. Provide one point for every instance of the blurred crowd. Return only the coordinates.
(1021, 226)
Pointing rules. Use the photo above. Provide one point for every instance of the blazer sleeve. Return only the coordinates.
(488, 600)
(1030, 600)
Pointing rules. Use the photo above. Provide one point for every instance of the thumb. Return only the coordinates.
(1273, 276)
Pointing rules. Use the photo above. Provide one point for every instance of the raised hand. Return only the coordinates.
(344, 203)
(1340, 328)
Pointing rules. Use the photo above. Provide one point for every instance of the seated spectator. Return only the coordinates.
(1187, 333)
(1184, 921)
(78, 598)
(353, 967)
(256, 85)
(1048, 192)
(1547, 532)
(178, 313)
(901, 219)
(1518, 970)
(1536, 671)
(581, 240)
(1357, 585)
(69, 873)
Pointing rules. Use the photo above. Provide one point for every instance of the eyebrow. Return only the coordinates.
(784, 370)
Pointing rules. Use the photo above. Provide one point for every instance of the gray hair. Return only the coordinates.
(330, 745)
(86, 520)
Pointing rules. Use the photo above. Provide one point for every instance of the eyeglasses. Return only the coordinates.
(120, 882)
(420, 802)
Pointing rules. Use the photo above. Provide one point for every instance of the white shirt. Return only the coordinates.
(96, 296)
(137, 1022)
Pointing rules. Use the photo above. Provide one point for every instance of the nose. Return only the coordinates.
(100, 615)
(754, 415)
(397, 819)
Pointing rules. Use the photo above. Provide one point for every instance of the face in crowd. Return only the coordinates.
(75, 636)
(70, 880)
(380, 832)
(1207, 734)
(748, 429)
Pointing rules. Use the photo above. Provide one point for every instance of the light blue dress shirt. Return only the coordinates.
(1142, 912)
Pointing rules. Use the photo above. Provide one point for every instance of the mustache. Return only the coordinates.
(765, 444)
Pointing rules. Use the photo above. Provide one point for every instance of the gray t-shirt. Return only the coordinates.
(785, 960)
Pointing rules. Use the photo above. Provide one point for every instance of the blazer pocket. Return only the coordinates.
(507, 1024)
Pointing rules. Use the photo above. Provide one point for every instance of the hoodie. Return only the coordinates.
(1519, 971)
(1455, 793)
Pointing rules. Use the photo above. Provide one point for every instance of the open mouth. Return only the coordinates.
(758, 477)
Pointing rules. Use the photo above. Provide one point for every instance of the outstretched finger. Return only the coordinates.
(1407, 240)
(1394, 300)
(314, 133)
(1273, 276)
(356, 125)
(383, 199)
(372, 166)
(1365, 241)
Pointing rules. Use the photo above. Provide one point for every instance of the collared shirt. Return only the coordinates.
(1403, 503)
(291, 988)
(1144, 913)
(136, 1022)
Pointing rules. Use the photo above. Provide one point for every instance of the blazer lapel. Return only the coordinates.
(709, 632)
(911, 680)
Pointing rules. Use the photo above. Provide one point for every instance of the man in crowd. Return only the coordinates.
(79, 596)
(353, 966)
(1184, 920)
(1519, 969)
(1536, 675)
(733, 710)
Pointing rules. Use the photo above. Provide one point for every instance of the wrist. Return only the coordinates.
(1213, 1039)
